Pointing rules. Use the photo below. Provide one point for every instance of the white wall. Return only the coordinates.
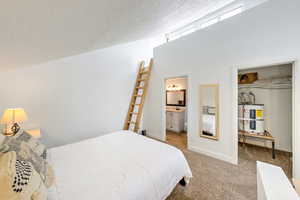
(265, 35)
(77, 97)
(277, 107)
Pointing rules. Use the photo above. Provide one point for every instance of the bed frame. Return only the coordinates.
(182, 182)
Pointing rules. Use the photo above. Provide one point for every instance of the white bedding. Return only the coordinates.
(120, 165)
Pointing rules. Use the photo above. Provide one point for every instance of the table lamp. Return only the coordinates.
(11, 117)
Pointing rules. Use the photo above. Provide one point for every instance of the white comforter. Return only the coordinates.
(120, 165)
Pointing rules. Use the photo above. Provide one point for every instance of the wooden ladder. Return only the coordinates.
(135, 110)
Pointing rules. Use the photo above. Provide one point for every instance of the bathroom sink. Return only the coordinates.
(175, 110)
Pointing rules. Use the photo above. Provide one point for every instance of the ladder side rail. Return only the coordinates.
(146, 84)
(133, 98)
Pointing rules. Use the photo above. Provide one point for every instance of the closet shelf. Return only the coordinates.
(273, 83)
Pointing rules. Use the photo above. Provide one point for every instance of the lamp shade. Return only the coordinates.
(13, 115)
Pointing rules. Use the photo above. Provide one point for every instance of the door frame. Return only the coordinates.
(164, 120)
(295, 112)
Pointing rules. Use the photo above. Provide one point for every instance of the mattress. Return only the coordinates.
(121, 165)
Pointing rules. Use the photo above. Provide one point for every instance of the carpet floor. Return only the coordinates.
(218, 180)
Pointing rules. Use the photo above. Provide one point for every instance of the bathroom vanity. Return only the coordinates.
(175, 119)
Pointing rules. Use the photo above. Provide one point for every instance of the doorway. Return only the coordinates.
(176, 111)
(265, 115)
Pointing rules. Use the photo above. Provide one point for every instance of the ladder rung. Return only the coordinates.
(142, 79)
(138, 95)
(144, 72)
(134, 113)
(131, 122)
(135, 104)
(139, 87)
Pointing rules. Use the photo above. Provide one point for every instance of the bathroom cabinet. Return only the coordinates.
(175, 120)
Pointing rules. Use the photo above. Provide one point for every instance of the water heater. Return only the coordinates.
(251, 118)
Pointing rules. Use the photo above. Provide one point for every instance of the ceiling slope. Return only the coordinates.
(33, 31)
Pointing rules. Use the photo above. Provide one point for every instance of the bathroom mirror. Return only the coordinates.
(175, 98)
(209, 111)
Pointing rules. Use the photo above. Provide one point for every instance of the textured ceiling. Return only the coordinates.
(38, 31)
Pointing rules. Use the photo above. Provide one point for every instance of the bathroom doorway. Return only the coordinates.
(176, 111)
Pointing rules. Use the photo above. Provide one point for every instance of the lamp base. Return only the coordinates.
(15, 128)
(8, 134)
(11, 131)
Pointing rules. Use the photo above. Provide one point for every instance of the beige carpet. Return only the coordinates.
(217, 180)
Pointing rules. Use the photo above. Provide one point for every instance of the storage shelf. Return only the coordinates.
(273, 83)
(265, 86)
(248, 119)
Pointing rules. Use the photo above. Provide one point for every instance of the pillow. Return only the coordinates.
(2, 137)
(19, 180)
(21, 143)
(35, 145)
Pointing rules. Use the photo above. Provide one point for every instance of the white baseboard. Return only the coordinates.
(213, 154)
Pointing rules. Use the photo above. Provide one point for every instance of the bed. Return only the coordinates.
(121, 165)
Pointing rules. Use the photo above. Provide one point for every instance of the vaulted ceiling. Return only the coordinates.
(34, 31)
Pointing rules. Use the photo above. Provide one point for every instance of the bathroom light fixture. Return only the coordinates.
(173, 87)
